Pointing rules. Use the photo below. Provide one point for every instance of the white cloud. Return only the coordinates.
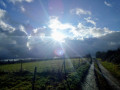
(4, 25)
(55, 24)
(83, 31)
(28, 1)
(2, 13)
(42, 36)
(22, 28)
(28, 45)
(107, 4)
(3, 4)
(39, 30)
(79, 11)
(90, 21)
(22, 9)
(40, 33)
(89, 39)
(35, 30)
(78, 32)
(7, 27)
(20, 1)
(87, 32)
(98, 32)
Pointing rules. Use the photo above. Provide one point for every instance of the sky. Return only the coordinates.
(51, 28)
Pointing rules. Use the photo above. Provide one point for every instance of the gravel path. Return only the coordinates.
(90, 83)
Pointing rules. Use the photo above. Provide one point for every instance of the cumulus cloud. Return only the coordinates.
(12, 39)
(28, 45)
(55, 24)
(99, 32)
(89, 20)
(92, 45)
(3, 24)
(20, 1)
(22, 9)
(22, 28)
(3, 4)
(39, 30)
(107, 4)
(79, 32)
(2, 13)
(6, 27)
(83, 39)
(79, 11)
(29, 1)
(109, 41)
(13, 44)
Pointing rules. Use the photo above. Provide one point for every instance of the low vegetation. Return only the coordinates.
(111, 61)
(51, 75)
(113, 68)
(110, 56)
(100, 79)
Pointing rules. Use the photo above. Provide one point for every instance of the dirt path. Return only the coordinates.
(90, 83)
(111, 80)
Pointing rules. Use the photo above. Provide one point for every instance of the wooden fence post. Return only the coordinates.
(13, 61)
(66, 74)
(64, 67)
(21, 66)
(79, 61)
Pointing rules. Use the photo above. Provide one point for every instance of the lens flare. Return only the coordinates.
(59, 52)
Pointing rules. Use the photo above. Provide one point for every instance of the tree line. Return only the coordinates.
(110, 56)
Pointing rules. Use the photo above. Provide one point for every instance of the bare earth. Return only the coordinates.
(90, 83)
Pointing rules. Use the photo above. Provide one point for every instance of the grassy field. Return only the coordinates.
(50, 75)
(41, 65)
(101, 81)
(113, 68)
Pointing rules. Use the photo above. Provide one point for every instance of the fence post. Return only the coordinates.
(13, 61)
(21, 66)
(34, 77)
(79, 61)
(64, 66)
(65, 73)
(8, 61)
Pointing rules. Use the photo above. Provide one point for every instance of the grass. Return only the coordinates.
(41, 65)
(113, 68)
(14, 81)
(100, 79)
(49, 75)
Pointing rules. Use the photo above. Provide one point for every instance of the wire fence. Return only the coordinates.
(64, 66)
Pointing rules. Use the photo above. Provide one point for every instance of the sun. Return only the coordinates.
(58, 36)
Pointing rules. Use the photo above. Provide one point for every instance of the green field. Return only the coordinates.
(41, 65)
(113, 68)
(51, 75)
(101, 81)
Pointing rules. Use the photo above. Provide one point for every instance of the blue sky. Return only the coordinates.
(82, 23)
(39, 11)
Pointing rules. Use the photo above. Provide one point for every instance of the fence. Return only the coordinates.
(60, 73)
